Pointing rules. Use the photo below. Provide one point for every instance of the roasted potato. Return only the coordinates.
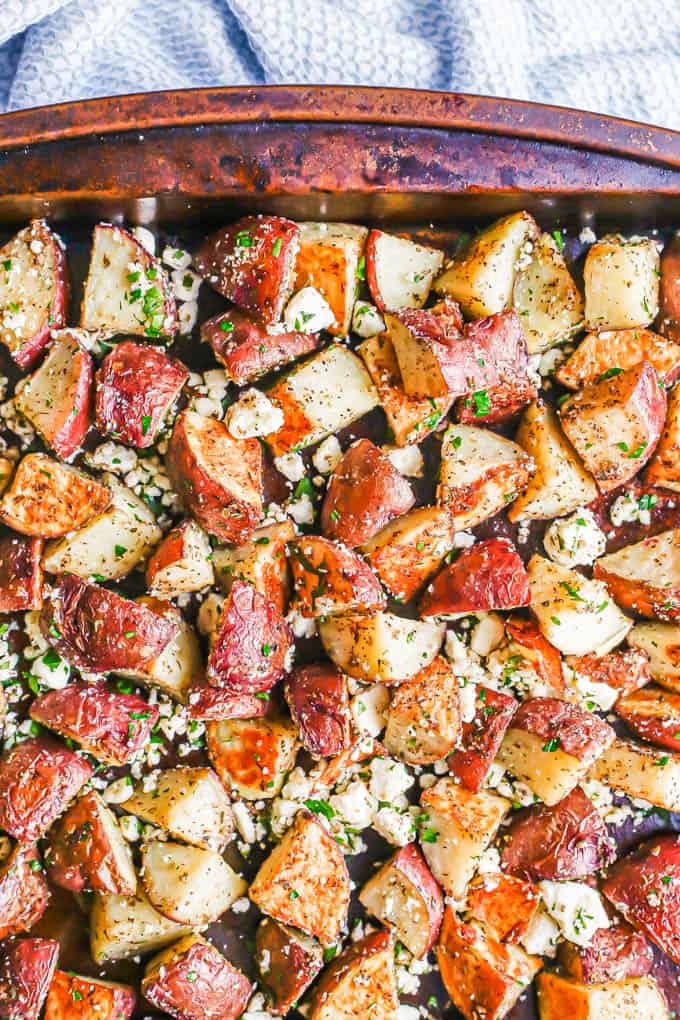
(24, 893)
(400, 272)
(669, 292)
(191, 980)
(526, 640)
(469, 763)
(613, 1000)
(216, 703)
(47, 499)
(330, 259)
(621, 281)
(183, 562)
(124, 926)
(381, 646)
(503, 905)
(614, 954)
(26, 969)
(21, 577)
(664, 467)
(653, 714)
(407, 552)
(488, 575)
(359, 982)
(610, 352)
(189, 803)
(261, 562)
(287, 961)
(188, 884)
(545, 296)
(72, 997)
(645, 578)
(642, 772)
(329, 578)
(660, 644)
(319, 705)
(625, 670)
(252, 756)
(423, 718)
(249, 349)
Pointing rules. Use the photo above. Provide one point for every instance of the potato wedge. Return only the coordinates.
(407, 552)
(612, 351)
(124, 926)
(188, 884)
(381, 646)
(188, 803)
(261, 562)
(329, 259)
(624, 670)
(645, 578)
(180, 665)
(191, 980)
(423, 718)
(546, 297)
(328, 578)
(250, 649)
(664, 467)
(72, 997)
(21, 576)
(621, 283)
(47, 499)
(614, 954)
(24, 893)
(503, 905)
(287, 961)
(615, 1000)
(360, 982)
(252, 756)
(183, 562)
(652, 714)
(249, 349)
(470, 763)
(642, 772)
(669, 296)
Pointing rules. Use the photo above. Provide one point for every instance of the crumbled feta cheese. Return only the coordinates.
(355, 805)
(302, 509)
(291, 466)
(575, 540)
(408, 460)
(118, 791)
(51, 670)
(298, 785)
(308, 312)
(369, 709)
(551, 360)
(542, 935)
(302, 626)
(176, 258)
(283, 814)
(112, 457)
(487, 634)
(489, 861)
(241, 906)
(467, 699)
(577, 909)
(465, 662)
(406, 1012)
(389, 779)
(394, 826)
(587, 236)
(186, 284)
(210, 613)
(327, 456)
(463, 540)
(187, 316)
(131, 828)
(253, 414)
(628, 510)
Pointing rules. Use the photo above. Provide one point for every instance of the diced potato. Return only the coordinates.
(191, 979)
(661, 642)
(645, 577)
(261, 562)
(381, 646)
(482, 277)
(611, 351)
(669, 313)
(182, 563)
(180, 662)
(252, 756)
(643, 772)
(399, 271)
(616, 1000)
(329, 578)
(575, 614)
(652, 714)
(621, 283)
(188, 884)
(560, 483)
(409, 550)
(547, 298)
(124, 926)
(48, 498)
(505, 905)
(481, 473)
(423, 720)
(287, 961)
(328, 260)
(361, 982)
(304, 881)
(111, 545)
(459, 826)
(326, 393)
(72, 997)
(487, 576)
(189, 803)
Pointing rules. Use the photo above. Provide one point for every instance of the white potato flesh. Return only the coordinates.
(261, 561)
(551, 775)
(124, 926)
(403, 270)
(118, 857)
(621, 283)
(111, 545)
(646, 773)
(481, 279)
(191, 570)
(576, 614)
(188, 884)
(381, 647)
(423, 720)
(328, 259)
(547, 298)
(612, 1000)
(178, 665)
(49, 397)
(189, 803)
(661, 642)
(394, 899)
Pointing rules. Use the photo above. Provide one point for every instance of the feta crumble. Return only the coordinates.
(575, 540)
(577, 909)
(253, 415)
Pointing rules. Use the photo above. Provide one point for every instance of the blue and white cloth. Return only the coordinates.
(614, 56)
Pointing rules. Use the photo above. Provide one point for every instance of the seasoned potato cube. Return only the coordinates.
(482, 277)
(482, 735)
(669, 313)
(24, 893)
(643, 772)
(504, 905)
(645, 578)
(252, 756)
(189, 803)
(288, 962)
(329, 578)
(249, 349)
(547, 298)
(661, 642)
(328, 260)
(489, 575)
(183, 562)
(191, 980)
(188, 884)
(458, 827)
(560, 483)
(381, 646)
(360, 982)
(399, 272)
(409, 550)
(304, 881)
(624, 670)
(664, 467)
(615, 1000)
(72, 997)
(611, 351)
(261, 562)
(47, 498)
(180, 662)
(21, 576)
(653, 714)
(423, 720)
(319, 705)
(621, 283)
(614, 954)
(124, 926)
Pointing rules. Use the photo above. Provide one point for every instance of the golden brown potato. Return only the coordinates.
(644, 578)
(48, 499)
(188, 803)
(648, 773)
(123, 926)
(664, 467)
(381, 646)
(188, 884)
(621, 280)
(611, 351)
(546, 297)
(423, 719)
(252, 756)
(261, 562)
(616, 1000)
(361, 982)
(409, 550)
(328, 260)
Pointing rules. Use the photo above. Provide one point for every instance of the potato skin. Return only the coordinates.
(47, 499)
(488, 575)
(79, 998)
(110, 725)
(136, 386)
(364, 494)
(21, 575)
(38, 778)
(250, 650)
(566, 841)
(193, 981)
(626, 669)
(614, 954)
(248, 349)
(350, 986)
(79, 855)
(206, 702)
(24, 893)
(319, 704)
(253, 756)
(287, 963)
(644, 578)
(329, 578)
(526, 639)
(481, 738)
(621, 349)
(669, 292)
(258, 275)
(26, 969)
(653, 714)
(409, 550)
(578, 732)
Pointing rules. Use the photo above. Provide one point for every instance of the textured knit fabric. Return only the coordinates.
(614, 56)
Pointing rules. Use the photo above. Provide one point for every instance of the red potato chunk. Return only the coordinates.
(361, 982)
(559, 997)
(193, 981)
(488, 575)
(218, 477)
(57, 398)
(47, 499)
(434, 358)
(484, 977)
(403, 894)
(287, 961)
(99, 630)
(24, 893)
(252, 263)
(399, 271)
(481, 738)
(527, 640)
(566, 841)
(206, 702)
(626, 670)
(497, 405)
(34, 291)
(501, 338)
(364, 494)
(669, 290)
(87, 851)
(614, 954)
(410, 549)
(26, 969)
(21, 576)
(645, 887)
(253, 756)
(653, 714)
(183, 562)
(610, 352)
(614, 424)
(645, 578)
(330, 260)
(137, 385)
(262, 561)
(329, 578)
(72, 997)
(250, 650)
(423, 719)
(111, 726)
(249, 349)
(504, 905)
(38, 779)
(319, 704)
(664, 467)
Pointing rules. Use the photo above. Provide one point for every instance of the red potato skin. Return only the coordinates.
(333, 573)
(75, 998)
(580, 733)
(215, 703)
(38, 779)
(24, 894)
(506, 400)
(503, 904)
(137, 384)
(290, 969)
(249, 654)
(110, 725)
(566, 841)
(167, 553)
(482, 738)
(332, 976)
(26, 969)
(88, 626)
(215, 990)
(248, 349)
(614, 954)
(319, 704)
(626, 670)
(21, 576)
(653, 601)
(651, 872)
(413, 866)
(78, 854)
(257, 277)
(653, 714)
(489, 575)
(364, 494)
(527, 639)
(210, 500)
(669, 293)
